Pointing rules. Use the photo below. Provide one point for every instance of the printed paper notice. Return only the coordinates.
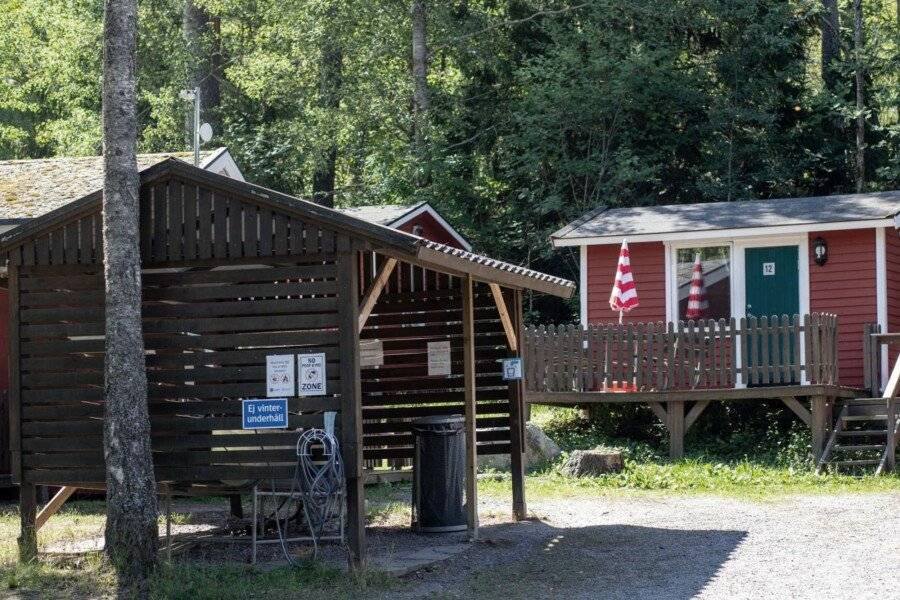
(280, 376)
(312, 374)
(439, 358)
(371, 353)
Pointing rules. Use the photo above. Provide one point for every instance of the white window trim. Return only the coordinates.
(737, 265)
(583, 291)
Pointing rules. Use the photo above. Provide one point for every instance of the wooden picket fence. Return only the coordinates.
(686, 355)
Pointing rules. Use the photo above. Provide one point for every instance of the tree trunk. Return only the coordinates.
(831, 43)
(131, 531)
(858, 43)
(204, 49)
(420, 77)
(329, 98)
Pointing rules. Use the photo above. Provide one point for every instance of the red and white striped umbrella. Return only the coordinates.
(624, 295)
(697, 304)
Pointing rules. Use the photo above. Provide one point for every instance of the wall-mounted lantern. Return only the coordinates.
(820, 249)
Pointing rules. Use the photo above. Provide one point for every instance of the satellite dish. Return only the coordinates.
(206, 132)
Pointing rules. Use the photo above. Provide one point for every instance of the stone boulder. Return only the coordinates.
(539, 448)
(590, 463)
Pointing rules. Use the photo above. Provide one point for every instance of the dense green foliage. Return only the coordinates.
(539, 110)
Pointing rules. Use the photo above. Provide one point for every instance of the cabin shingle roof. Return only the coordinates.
(710, 216)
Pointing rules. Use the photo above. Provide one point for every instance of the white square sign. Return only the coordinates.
(312, 374)
(768, 269)
(439, 358)
(280, 380)
(512, 369)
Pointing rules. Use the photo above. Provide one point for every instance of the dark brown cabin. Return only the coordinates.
(233, 272)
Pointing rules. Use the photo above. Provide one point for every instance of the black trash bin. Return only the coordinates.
(439, 478)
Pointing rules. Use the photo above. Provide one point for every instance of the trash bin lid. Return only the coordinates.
(439, 423)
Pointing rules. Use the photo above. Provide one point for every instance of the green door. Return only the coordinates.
(772, 281)
(772, 287)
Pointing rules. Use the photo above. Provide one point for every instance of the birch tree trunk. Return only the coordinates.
(858, 43)
(131, 512)
(420, 77)
(831, 43)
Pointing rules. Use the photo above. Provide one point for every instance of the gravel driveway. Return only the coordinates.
(672, 548)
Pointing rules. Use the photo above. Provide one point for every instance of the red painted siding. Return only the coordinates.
(648, 265)
(892, 246)
(845, 286)
(431, 230)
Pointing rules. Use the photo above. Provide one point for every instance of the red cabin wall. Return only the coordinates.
(892, 281)
(431, 230)
(648, 265)
(845, 286)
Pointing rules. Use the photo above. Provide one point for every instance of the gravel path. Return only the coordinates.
(678, 548)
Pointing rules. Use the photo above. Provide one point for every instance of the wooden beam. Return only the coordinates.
(468, 324)
(371, 295)
(660, 412)
(676, 429)
(820, 424)
(53, 506)
(798, 409)
(517, 426)
(511, 337)
(351, 403)
(28, 532)
(695, 412)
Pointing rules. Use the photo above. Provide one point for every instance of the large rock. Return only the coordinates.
(590, 463)
(539, 449)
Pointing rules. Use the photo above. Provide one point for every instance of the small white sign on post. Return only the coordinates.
(512, 369)
(768, 269)
(439, 358)
(280, 380)
(312, 374)
(371, 353)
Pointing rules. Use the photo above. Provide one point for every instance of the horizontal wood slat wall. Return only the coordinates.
(207, 332)
(419, 306)
(182, 221)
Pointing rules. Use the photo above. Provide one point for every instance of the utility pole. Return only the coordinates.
(194, 96)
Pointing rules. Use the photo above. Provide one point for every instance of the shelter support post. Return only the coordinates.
(370, 298)
(351, 402)
(820, 423)
(27, 515)
(675, 417)
(235, 506)
(468, 323)
(517, 421)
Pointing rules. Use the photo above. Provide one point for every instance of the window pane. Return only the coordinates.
(710, 296)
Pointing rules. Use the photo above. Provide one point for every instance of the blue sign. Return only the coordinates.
(268, 413)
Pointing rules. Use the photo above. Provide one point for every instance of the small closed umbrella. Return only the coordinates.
(624, 295)
(697, 303)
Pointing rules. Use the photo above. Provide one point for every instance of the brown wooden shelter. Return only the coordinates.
(233, 272)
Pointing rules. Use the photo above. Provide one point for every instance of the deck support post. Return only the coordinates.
(675, 424)
(468, 325)
(517, 422)
(820, 423)
(27, 516)
(235, 506)
(53, 505)
(351, 402)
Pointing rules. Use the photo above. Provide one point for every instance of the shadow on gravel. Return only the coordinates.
(534, 560)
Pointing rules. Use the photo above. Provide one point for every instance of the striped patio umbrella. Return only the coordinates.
(624, 295)
(697, 304)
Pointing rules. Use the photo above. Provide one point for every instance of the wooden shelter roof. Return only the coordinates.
(385, 240)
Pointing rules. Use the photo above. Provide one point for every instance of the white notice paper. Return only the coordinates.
(312, 374)
(371, 353)
(280, 376)
(439, 358)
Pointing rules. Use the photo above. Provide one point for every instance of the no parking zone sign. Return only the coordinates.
(312, 374)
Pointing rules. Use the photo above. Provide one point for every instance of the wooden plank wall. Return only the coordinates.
(420, 306)
(207, 334)
(181, 221)
(4, 430)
